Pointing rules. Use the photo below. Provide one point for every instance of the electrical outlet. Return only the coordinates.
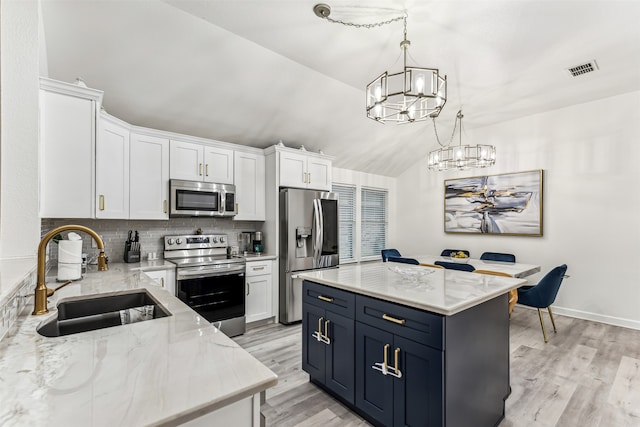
(93, 242)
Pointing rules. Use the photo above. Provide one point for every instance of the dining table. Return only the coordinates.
(513, 269)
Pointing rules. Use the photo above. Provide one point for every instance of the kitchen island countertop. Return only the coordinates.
(163, 371)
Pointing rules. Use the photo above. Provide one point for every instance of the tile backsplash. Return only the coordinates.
(114, 233)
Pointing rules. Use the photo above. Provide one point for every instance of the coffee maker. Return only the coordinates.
(257, 242)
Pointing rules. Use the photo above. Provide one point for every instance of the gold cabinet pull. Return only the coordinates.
(164, 206)
(237, 208)
(101, 203)
(320, 326)
(323, 298)
(309, 178)
(385, 316)
(385, 362)
(200, 168)
(395, 360)
(248, 288)
(257, 268)
(207, 169)
(326, 329)
(162, 281)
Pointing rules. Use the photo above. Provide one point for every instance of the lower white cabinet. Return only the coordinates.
(259, 289)
(164, 278)
(243, 413)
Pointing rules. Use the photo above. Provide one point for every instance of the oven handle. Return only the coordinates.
(210, 273)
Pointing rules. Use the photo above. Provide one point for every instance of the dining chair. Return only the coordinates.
(497, 256)
(513, 294)
(449, 252)
(403, 260)
(386, 253)
(543, 294)
(455, 266)
(431, 265)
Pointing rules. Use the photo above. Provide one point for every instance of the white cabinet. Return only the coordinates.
(112, 168)
(302, 170)
(149, 177)
(67, 149)
(249, 179)
(197, 162)
(259, 284)
(166, 279)
(243, 413)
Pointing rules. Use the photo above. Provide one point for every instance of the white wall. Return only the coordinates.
(362, 179)
(19, 220)
(590, 155)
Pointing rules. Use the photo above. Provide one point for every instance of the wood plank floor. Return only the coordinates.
(587, 375)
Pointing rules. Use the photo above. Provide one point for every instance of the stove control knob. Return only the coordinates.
(178, 241)
(221, 239)
(170, 242)
(214, 239)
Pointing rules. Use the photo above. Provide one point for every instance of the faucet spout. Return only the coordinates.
(40, 298)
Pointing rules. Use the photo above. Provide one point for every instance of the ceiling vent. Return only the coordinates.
(587, 67)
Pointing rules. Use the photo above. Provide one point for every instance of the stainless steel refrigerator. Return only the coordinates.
(308, 241)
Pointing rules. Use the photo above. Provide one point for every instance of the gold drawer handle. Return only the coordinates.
(101, 203)
(323, 298)
(393, 319)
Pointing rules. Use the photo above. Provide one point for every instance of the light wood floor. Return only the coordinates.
(587, 375)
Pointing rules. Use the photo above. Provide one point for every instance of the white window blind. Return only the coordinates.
(373, 217)
(347, 219)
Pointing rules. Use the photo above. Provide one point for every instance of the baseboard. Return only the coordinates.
(585, 315)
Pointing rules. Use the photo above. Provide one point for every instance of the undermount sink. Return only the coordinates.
(100, 311)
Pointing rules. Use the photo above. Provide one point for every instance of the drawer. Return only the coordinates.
(411, 323)
(336, 300)
(259, 268)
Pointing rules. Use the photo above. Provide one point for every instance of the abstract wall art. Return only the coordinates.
(506, 204)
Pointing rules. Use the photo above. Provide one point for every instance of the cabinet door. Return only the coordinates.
(149, 177)
(313, 351)
(166, 279)
(374, 390)
(258, 301)
(339, 376)
(293, 170)
(187, 161)
(249, 179)
(418, 394)
(319, 173)
(112, 170)
(218, 165)
(67, 140)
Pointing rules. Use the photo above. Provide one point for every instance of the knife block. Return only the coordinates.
(131, 255)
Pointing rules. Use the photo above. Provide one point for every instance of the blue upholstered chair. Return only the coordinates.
(455, 266)
(497, 256)
(448, 252)
(403, 260)
(386, 253)
(543, 294)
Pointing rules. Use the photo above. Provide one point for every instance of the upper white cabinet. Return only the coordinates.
(196, 162)
(149, 177)
(67, 144)
(249, 171)
(112, 168)
(301, 170)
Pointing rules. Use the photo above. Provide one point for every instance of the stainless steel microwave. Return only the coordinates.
(194, 198)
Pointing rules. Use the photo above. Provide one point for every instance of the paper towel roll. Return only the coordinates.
(70, 251)
(69, 271)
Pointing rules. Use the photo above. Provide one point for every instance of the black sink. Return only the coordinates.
(98, 312)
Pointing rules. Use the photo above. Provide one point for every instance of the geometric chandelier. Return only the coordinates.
(460, 156)
(411, 95)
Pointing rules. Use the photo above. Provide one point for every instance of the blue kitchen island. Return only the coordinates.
(409, 345)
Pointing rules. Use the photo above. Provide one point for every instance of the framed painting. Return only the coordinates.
(507, 204)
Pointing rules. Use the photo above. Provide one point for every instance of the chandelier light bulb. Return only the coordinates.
(378, 93)
(420, 85)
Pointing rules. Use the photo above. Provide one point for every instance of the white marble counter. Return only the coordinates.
(252, 256)
(159, 372)
(437, 290)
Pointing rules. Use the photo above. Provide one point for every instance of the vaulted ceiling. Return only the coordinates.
(254, 72)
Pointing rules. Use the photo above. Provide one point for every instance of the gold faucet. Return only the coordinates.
(41, 292)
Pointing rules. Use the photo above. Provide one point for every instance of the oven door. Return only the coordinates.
(214, 292)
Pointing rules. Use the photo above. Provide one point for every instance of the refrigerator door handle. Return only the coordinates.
(320, 232)
(316, 223)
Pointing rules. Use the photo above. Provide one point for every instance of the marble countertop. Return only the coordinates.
(437, 290)
(252, 256)
(159, 372)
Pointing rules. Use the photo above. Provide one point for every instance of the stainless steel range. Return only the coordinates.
(208, 280)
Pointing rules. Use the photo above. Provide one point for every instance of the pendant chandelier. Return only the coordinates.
(460, 156)
(411, 95)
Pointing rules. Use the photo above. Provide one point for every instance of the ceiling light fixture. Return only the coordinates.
(460, 156)
(411, 95)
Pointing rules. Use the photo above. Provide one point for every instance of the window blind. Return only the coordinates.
(346, 220)
(373, 215)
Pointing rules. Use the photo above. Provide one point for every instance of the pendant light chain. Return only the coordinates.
(372, 25)
(455, 125)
